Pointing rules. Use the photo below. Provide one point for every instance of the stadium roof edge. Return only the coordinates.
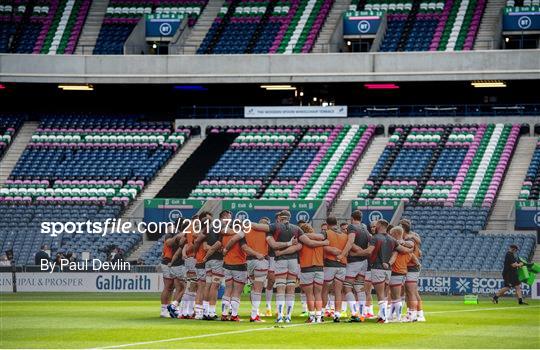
(301, 68)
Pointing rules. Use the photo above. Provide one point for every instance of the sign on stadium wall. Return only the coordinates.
(527, 215)
(464, 285)
(254, 210)
(162, 25)
(170, 209)
(373, 210)
(361, 23)
(81, 282)
(521, 19)
(295, 112)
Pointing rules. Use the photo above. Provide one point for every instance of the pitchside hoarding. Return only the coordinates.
(162, 25)
(361, 23)
(521, 19)
(170, 209)
(527, 215)
(81, 282)
(295, 112)
(465, 285)
(254, 210)
(373, 210)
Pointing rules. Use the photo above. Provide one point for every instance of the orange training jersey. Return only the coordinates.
(336, 240)
(400, 265)
(200, 254)
(190, 240)
(256, 240)
(311, 257)
(236, 255)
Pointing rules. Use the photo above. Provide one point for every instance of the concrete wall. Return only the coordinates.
(333, 67)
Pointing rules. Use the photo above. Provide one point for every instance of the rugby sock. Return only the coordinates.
(399, 310)
(352, 303)
(198, 311)
(175, 303)
(280, 303)
(370, 309)
(303, 299)
(255, 303)
(290, 304)
(163, 307)
(344, 306)
(393, 309)
(318, 315)
(268, 295)
(413, 315)
(382, 309)
(225, 305)
(212, 311)
(362, 309)
(206, 306)
(331, 303)
(337, 314)
(420, 313)
(235, 304)
(190, 307)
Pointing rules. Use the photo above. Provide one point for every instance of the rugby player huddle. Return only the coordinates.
(334, 265)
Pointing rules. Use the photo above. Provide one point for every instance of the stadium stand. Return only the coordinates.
(122, 16)
(78, 168)
(9, 125)
(300, 162)
(266, 27)
(45, 26)
(450, 239)
(449, 165)
(531, 185)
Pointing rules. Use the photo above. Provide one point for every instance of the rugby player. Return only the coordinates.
(169, 249)
(414, 300)
(399, 262)
(380, 249)
(335, 262)
(311, 258)
(235, 270)
(200, 254)
(510, 276)
(354, 286)
(257, 263)
(280, 236)
(177, 267)
(188, 300)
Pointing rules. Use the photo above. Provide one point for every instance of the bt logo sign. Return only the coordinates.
(364, 26)
(524, 22)
(165, 29)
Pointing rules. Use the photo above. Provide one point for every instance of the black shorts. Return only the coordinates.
(511, 280)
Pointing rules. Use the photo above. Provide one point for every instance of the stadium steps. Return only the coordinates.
(91, 28)
(536, 257)
(333, 20)
(15, 150)
(487, 25)
(197, 166)
(137, 253)
(151, 190)
(360, 175)
(198, 32)
(517, 169)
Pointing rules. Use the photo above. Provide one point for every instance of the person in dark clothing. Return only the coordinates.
(42, 254)
(510, 276)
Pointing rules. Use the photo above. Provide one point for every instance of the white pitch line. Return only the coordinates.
(291, 326)
(203, 336)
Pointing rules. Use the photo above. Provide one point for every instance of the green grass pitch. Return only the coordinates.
(91, 320)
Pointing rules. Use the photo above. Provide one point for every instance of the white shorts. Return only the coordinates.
(356, 269)
(235, 275)
(214, 268)
(189, 263)
(397, 280)
(332, 273)
(178, 272)
(412, 277)
(271, 264)
(201, 274)
(287, 267)
(367, 277)
(257, 268)
(166, 271)
(313, 277)
(380, 276)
